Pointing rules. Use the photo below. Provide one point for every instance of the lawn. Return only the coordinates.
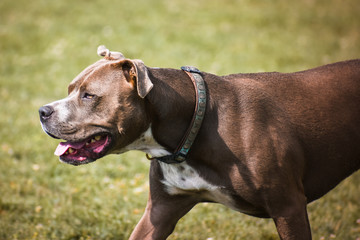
(44, 44)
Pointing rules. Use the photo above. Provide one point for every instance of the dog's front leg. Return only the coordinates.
(159, 220)
(162, 213)
(291, 219)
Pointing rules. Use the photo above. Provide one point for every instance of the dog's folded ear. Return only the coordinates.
(136, 73)
(102, 51)
(144, 84)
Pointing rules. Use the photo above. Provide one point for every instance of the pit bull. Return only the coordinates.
(269, 144)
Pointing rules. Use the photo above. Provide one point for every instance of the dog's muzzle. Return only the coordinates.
(45, 113)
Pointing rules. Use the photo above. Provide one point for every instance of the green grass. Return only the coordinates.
(45, 43)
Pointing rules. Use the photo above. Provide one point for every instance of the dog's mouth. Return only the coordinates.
(84, 151)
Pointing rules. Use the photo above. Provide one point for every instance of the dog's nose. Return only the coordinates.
(45, 112)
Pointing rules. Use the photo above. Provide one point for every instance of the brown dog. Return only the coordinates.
(269, 144)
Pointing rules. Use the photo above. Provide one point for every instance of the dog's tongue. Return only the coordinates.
(64, 146)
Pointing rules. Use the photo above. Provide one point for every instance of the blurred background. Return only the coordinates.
(44, 44)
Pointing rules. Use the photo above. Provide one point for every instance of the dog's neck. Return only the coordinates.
(171, 105)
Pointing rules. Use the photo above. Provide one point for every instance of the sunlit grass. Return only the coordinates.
(44, 44)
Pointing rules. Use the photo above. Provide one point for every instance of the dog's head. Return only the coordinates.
(103, 112)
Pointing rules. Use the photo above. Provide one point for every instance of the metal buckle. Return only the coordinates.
(173, 158)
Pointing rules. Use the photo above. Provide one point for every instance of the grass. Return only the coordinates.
(45, 43)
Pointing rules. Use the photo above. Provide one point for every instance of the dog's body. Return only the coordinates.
(269, 144)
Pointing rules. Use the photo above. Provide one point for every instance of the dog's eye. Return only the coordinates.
(88, 96)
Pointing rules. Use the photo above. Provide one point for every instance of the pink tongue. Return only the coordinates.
(64, 146)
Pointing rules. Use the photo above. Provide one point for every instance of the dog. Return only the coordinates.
(268, 144)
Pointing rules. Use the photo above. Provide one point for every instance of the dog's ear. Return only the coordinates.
(102, 51)
(136, 73)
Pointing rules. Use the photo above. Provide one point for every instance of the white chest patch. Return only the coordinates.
(179, 178)
(183, 179)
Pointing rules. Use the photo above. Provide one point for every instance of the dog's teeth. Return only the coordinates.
(71, 150)
(94, 139)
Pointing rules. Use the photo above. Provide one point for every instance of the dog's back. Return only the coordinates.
(322, 106)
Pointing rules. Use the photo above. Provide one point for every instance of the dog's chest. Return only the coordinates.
(180, 178)
(183, 179)
(177, 177)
